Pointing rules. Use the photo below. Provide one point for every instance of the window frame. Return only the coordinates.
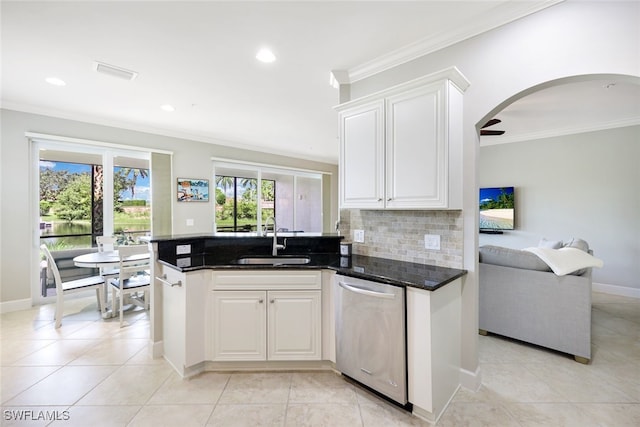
(108, 151)
(259, 169)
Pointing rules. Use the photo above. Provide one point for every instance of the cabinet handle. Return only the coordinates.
(389, 199)
(380, 199)
(260, 300)
(272, 301)
(363, 291)
(163, 279)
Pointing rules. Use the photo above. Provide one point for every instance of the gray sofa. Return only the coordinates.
(521, 298)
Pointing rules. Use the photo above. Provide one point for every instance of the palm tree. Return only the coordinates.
(505, 200)
(249, 183)
(131, 182)
(224, 182)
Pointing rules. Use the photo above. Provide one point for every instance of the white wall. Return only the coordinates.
(569, 39)
(191, 159)
(583, 185)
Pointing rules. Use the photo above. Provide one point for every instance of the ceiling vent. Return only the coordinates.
(112, 70)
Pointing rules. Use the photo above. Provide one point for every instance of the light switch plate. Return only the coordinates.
(183, 249)
(432, 241)
(358, 236)
(190, 222)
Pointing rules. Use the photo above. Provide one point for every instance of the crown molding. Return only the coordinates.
(452, 74)
(552, 133)
(486, 22)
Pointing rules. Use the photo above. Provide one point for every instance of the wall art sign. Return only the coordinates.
(193, 190)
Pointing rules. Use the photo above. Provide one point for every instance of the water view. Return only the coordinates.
(80, 232)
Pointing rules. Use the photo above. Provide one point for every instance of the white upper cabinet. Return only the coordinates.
(416, 167)
(402, 148)
(362, 156)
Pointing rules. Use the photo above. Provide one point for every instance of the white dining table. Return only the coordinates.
(105, 261)
(109, 259)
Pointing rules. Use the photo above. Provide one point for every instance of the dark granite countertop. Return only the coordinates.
(398, 273)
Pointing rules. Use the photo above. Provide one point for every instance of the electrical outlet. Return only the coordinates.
(358, 236)
(432, 241)
(190, 222)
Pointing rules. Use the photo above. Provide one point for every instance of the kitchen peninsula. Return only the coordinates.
(225, 302)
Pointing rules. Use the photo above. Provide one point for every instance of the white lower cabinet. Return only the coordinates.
(257, 316)
(433, 348)
(183, 317)
(238, 329)
(293, 325)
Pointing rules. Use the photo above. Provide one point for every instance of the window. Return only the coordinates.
(73, 188)
(66, 208)
(237, 202)
(121, 179)
(293, 198)
(132, 203)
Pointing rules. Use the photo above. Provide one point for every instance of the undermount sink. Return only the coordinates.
(274, 260)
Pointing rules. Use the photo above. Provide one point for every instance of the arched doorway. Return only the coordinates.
(570, 149)
(621, 89)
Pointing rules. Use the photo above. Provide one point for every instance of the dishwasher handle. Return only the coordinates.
(363, 291)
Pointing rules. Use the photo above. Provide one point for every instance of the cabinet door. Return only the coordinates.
(362, 156)
(174, 319)
(416, 149)
(294, 324)
(238, 325)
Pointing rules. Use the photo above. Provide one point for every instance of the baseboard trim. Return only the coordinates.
(471, 380)
(15, 305)
(623, 291)
(271, 365)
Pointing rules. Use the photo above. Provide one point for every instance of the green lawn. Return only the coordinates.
(241, 222)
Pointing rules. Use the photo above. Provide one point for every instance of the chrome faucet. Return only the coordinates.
(276, 246)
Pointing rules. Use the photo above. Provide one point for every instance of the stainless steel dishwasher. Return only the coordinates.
(370, 335)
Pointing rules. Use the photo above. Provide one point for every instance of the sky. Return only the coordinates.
(487, 194)
(142, 189)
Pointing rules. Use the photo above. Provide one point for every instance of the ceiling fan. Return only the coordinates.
(489, 132)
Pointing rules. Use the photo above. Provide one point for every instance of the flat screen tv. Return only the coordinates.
(497, 209)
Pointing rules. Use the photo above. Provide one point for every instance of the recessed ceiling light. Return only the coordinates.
(265, 55)
(55, 81)
(168, 107)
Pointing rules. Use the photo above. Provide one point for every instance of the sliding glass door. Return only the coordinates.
(84, 195)
(246, 195)
(85, 191)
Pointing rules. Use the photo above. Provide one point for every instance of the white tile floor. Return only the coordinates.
(92, 373)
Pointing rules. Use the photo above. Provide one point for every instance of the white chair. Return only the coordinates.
(134, 278)
(72, 286)
(106, 243)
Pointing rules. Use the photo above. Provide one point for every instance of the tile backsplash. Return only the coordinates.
(399, 235)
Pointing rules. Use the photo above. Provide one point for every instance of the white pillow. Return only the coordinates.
(566, 260)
